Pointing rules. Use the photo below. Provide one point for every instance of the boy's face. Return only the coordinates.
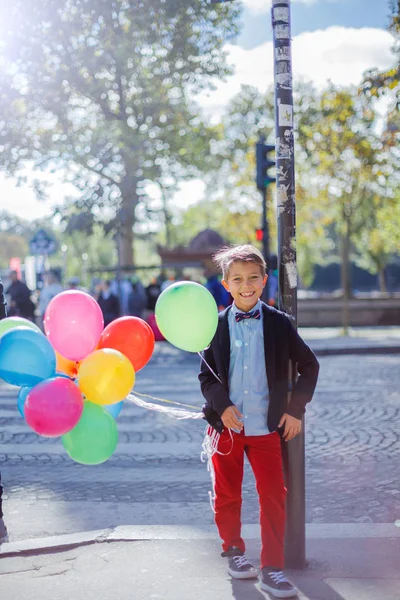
(245, 284)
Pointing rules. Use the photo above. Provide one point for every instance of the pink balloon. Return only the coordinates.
(73, 322)
(53, 407)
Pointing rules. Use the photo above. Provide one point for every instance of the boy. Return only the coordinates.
(247, 405)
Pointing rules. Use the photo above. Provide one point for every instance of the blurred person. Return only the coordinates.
(122, 289)
(73, 283)
(51, 288)
(3, 528)
(153, 290)
(221, 296)
(20, 298)
(137, 299)
(273, 280)
(165, 284)
(108, 302)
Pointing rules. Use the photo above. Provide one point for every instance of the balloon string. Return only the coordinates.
(167, 401)
(215, 375)
(176, 413)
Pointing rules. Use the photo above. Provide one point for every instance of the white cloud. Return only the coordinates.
(338, 54)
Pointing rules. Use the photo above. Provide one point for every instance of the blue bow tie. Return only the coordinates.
(254, 314)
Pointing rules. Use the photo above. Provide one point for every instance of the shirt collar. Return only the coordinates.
(235, 309)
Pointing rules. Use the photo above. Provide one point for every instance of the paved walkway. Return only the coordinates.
(182, 563)
(155, 479)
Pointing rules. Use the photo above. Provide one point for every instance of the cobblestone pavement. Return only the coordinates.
(156, 477)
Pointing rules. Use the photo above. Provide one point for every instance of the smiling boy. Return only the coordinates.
(247, 404)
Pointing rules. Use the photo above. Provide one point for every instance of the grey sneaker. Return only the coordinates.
(239, 567)
(3, 532)
(274, 582)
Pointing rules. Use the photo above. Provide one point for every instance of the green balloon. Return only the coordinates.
(13, 322)
(93, 440)
(187, 315)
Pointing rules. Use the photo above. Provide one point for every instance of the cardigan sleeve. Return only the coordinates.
(215, 393)
(307, 368)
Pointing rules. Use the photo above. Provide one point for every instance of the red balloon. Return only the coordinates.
(53, 407)
(133, 337)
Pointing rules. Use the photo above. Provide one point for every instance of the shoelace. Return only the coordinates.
(278, 577)
(241, 561)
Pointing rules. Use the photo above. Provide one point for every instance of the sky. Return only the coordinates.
(336, 40)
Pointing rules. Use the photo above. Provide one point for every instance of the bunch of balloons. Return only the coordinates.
(74, 379)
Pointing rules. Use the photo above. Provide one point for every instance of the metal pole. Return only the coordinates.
(294, 451)
(265, 239)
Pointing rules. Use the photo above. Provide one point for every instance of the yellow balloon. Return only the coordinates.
(106, 376)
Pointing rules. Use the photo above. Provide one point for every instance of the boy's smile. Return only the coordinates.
(245, 283)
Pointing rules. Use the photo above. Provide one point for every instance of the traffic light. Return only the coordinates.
(263, 163)
(259, 234)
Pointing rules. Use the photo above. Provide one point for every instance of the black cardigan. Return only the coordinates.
(282, 344)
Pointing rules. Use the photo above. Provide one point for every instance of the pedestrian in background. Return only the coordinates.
(153, 290)
(137, 299)
(246, 389)
(3, 528)
(51, 288)
(108, 303)
(20, 298)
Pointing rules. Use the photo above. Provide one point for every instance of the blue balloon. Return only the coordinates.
(114, 409)
(26, 357)
(23, 393)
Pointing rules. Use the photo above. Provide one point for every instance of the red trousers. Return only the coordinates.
(265, 458)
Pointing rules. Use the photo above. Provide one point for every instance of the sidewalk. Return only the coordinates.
(345, 562)
(329, 341)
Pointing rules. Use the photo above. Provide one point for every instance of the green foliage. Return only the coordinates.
(378, 83)
(102, 90)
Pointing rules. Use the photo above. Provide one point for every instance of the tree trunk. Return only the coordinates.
(382, 280)
(167, 218)
(126, 244)
(345, 277)
(126, 216)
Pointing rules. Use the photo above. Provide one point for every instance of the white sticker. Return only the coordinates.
(282, 53)
(291, 272)
(282, 194)
(285, 113)
(281, 13)
(283, 74)
(282, 32)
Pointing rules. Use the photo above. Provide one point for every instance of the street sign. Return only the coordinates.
(42, 243)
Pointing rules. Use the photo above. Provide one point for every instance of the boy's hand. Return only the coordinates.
(292, 427)
(230, 418)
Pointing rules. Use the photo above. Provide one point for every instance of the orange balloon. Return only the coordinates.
(133, 337)
(64, 365)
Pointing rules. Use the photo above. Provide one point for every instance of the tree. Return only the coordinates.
(250, 115)
(350, 168)
(103, 90)
(379, 83)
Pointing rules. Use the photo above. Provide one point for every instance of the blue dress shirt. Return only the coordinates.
(248, 386)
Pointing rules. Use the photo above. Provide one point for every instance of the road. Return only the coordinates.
(156, 477)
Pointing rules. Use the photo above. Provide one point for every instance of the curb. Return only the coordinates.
(355, 350)
(132, 533)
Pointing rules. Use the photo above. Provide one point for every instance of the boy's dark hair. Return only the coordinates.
(228, 255)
